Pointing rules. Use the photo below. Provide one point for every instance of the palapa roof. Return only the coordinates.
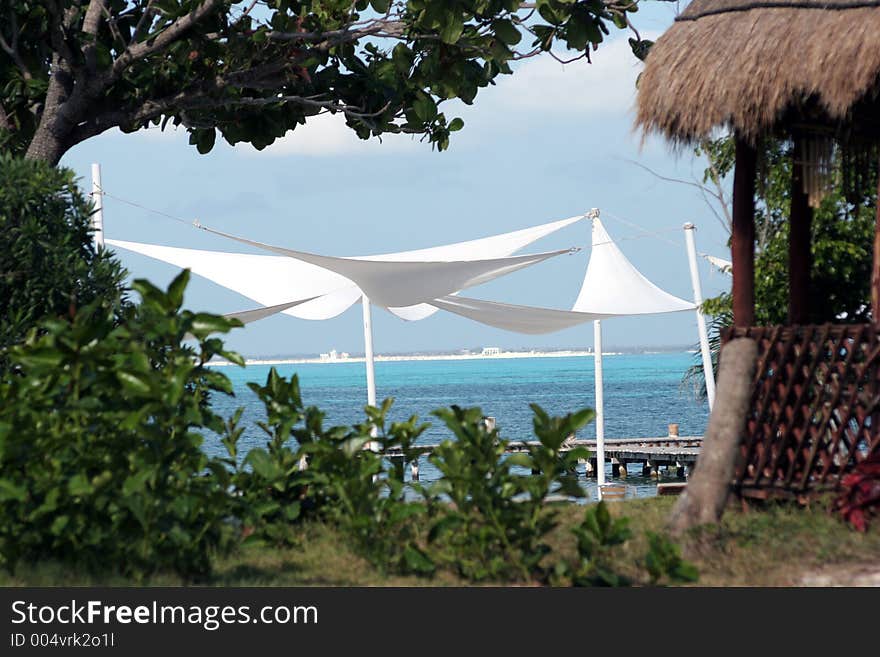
(763, 67)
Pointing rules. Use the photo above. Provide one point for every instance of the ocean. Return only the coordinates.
(643, 394)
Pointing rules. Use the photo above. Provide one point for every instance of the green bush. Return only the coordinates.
(48, 263)
(101, 422)
(344, 483)
(497, 521)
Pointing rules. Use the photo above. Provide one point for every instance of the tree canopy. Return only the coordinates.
(49, 266)
(841, 238)
(251, 70)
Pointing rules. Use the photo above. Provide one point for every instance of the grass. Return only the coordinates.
(764, 545)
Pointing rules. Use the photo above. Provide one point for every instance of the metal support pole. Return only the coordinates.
(98, 201)
(600, 410)
(708, 373)
(368, 356)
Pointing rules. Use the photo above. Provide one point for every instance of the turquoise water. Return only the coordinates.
(643, 393)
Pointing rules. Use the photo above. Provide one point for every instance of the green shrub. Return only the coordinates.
(48, 263)
(101, 464)
(497, 521)
(599, 536)
(344, 483)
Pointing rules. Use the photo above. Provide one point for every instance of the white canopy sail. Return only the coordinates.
(248, 316)
(511, 317)
(394, 283)
(272, 280)
(386, 283)
(613, 286)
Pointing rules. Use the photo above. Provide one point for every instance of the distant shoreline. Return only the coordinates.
(504, 355)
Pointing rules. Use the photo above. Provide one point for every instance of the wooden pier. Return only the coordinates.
(678, 452)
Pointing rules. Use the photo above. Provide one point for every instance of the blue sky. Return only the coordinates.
(549, 142)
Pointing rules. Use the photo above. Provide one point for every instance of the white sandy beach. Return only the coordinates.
(414, 357)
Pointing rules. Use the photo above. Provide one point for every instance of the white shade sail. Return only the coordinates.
(613, 286)
(268, 280)
(512, 317)
(392, 280)
(248, 316)
(397, 282)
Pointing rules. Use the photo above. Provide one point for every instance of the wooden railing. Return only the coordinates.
(815, 410)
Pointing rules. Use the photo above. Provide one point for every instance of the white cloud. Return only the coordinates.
(543, 86)
(170, 133)
(327, 134)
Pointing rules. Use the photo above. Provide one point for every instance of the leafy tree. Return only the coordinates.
(48, 264)
(842, 234)
(254, 69)
(841, 240)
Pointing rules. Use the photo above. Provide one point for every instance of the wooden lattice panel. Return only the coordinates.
(815, 410)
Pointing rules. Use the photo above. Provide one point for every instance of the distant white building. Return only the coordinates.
(334, 356)
(491, 351)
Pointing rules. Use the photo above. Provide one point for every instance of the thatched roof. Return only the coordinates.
(762, 66)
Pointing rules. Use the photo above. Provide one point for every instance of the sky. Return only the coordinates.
(547, 143)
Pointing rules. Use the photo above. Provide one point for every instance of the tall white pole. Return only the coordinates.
(98, 201)
(701, 319)
(600, 408)
(368, 355)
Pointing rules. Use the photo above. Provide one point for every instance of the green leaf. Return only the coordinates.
(79, 485)
(133, 382)
(40, 357)
(59, 524)
(425, 108)
(455, 125)
(177, 287)
(203, 324)
(9, 491)
(262, 464)
(135, 483)
(418, 561)
(506, 31)
(452, 27)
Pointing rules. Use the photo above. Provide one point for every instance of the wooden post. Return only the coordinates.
(742, 239)
(709, 486)
(414, 469)
(875, 270)
(799, 223)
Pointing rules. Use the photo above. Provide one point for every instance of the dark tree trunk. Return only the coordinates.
(707, 490)
(799, 258)
(46, 146)
(875, 270)
(742, 242)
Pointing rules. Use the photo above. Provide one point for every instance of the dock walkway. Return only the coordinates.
(679, 452)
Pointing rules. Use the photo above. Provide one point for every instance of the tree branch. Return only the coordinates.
(91, 24)
(139, 50)
(705, 193)
(5, 123)
(382, 27)
(11, 47)
(144, 22)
